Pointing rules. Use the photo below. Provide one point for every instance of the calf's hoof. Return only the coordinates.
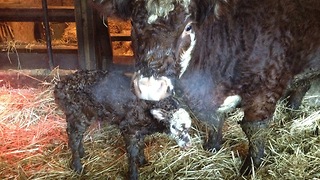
(76, 166)
(133, 176)
(143, 162)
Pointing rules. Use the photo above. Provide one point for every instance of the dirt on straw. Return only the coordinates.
(33, 145)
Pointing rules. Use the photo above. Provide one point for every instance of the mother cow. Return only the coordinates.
(207, 50)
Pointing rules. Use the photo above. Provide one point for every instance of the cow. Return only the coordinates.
(205, 51)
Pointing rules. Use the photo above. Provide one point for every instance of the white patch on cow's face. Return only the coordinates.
(179, 123)
(185, 55)
(151, 88)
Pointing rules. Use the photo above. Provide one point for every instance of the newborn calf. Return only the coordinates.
(89, 95)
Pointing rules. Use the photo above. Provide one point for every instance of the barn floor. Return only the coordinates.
(33, 145)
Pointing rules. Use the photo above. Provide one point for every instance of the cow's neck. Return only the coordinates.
(208, 78)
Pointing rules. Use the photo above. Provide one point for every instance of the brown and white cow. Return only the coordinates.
(208, 50)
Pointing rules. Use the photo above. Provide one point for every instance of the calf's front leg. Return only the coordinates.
(135, 152)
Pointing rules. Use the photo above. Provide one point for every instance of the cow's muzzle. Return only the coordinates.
(152, 88)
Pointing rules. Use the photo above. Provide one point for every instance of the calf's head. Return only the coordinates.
(178, 122)
(163, 38)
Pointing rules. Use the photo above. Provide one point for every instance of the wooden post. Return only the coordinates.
(94, 47)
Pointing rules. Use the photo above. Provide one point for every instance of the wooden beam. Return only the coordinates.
(35, 14)
(120, 37)
(39, 48)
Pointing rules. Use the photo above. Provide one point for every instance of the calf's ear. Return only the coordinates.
(113, 8)
(159, 114)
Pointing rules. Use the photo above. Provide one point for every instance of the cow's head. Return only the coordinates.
(164, 37)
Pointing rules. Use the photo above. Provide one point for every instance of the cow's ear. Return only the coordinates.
(113, 8)
(205, 8)
(222, 7)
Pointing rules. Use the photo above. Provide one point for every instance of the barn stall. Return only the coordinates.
(33, 142)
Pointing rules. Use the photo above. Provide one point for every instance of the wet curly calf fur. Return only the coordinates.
(86, 96)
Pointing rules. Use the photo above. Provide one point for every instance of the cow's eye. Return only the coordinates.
(188, 27)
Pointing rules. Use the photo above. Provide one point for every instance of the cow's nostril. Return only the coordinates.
(151, 88)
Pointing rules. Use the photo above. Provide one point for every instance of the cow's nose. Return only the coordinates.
(150, 88)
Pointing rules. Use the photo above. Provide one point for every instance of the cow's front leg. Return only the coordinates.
(256, 133)
(217, 120)
(214, 137)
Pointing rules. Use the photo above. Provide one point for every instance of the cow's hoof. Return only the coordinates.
(211, 147)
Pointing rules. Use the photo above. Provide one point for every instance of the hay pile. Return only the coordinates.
(33, 145)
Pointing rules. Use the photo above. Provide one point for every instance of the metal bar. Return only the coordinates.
(48, 33)
(35, 14)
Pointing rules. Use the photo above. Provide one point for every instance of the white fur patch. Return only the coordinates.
(179, 126)
(162, 8)
(230, 103)
(185, 56)
(179, 123)
(181, 117)
(151, 88)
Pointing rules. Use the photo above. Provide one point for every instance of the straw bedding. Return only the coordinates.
(33, 145)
